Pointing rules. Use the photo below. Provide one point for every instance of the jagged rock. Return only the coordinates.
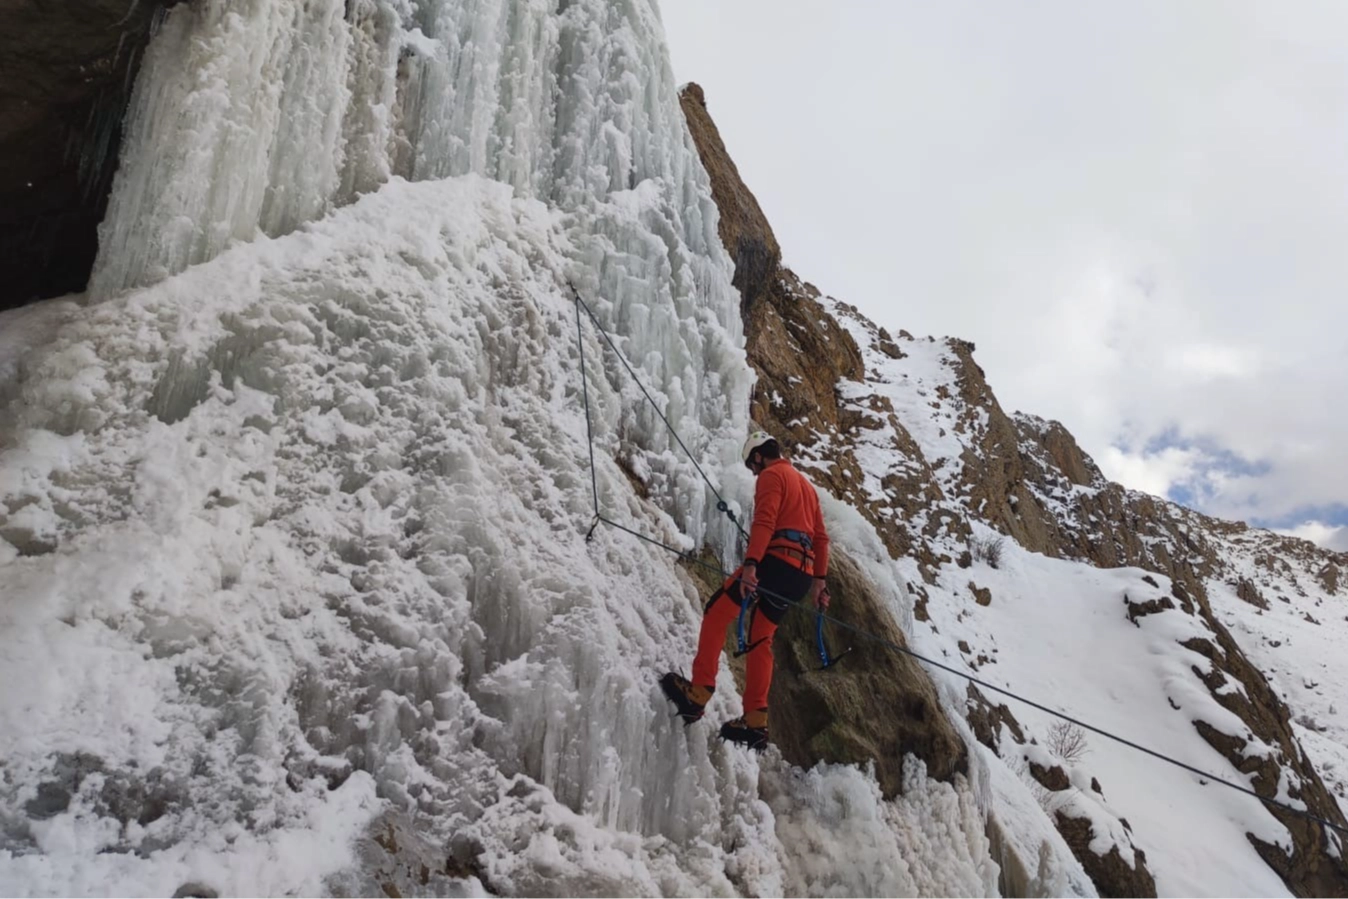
(1053, 778)
(874, 706)
(1248, 592)
(920, 600)
(982, 595)
(1138, 610)
(987, 720)
(744, 229)
(1112, 875)
(1308, 869)
(1329, 577)
(66, 69)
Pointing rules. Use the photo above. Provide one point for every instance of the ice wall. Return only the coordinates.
(254, 116)
(292, 517)
(258, 115)
(295, 549)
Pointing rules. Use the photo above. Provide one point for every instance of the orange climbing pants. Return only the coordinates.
(775, 576)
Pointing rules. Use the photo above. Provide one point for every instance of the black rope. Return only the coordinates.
(874, 638)
(721, 503)
(589, 434)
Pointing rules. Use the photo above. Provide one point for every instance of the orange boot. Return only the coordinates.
(689, 698)
(751, 729)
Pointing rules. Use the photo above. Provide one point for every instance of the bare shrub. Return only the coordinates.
(988, 549)
(1068, 742)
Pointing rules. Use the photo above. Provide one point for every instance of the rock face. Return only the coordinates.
(66, 71)
(801, 353)
(1113, 875)
(876, 705)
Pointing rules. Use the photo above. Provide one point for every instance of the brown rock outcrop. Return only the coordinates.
(744, 229)
(802, 354)
(874, 706)
(66, 71)
(1112, 875)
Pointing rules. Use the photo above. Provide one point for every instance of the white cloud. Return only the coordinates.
(1328, 536)
(1155, 473)
(1207, 361)
(1136, 211)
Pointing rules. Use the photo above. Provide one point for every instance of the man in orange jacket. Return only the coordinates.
(787, 561)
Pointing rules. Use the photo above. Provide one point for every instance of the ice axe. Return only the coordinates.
(748, 606)
(828, 660)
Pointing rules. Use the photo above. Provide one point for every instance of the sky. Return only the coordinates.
(1137, 212)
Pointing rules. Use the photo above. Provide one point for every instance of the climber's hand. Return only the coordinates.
(748, 579)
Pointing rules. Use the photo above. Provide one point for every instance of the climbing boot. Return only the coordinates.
(689, 698)
(751, 729)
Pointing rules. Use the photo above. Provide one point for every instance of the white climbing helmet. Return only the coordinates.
(756, 439)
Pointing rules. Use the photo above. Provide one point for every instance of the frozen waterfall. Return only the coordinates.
(253, 117)
(294, 512)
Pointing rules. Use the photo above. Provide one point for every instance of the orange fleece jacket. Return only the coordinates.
(785, 500)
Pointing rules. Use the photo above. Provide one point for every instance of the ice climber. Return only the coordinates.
(787, 561)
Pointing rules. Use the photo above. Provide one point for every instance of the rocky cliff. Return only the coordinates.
(66, 71)
(829, 382)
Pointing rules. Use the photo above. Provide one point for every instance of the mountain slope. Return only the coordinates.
(909, 432)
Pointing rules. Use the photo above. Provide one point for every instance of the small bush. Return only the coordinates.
(988, 549)
(1068, 742)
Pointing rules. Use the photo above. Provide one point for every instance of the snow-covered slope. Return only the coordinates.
(1293, 625)
(1081, 639)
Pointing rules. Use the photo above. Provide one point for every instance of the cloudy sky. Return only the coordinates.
(1137, 211)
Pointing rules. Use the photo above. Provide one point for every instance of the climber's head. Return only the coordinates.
(759, 449)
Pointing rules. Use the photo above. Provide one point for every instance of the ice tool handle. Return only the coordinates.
(748, 606)
(828, 660)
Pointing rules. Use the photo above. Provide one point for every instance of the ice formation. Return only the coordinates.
(295, 509)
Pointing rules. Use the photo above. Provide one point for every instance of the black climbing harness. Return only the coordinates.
(806, 553)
